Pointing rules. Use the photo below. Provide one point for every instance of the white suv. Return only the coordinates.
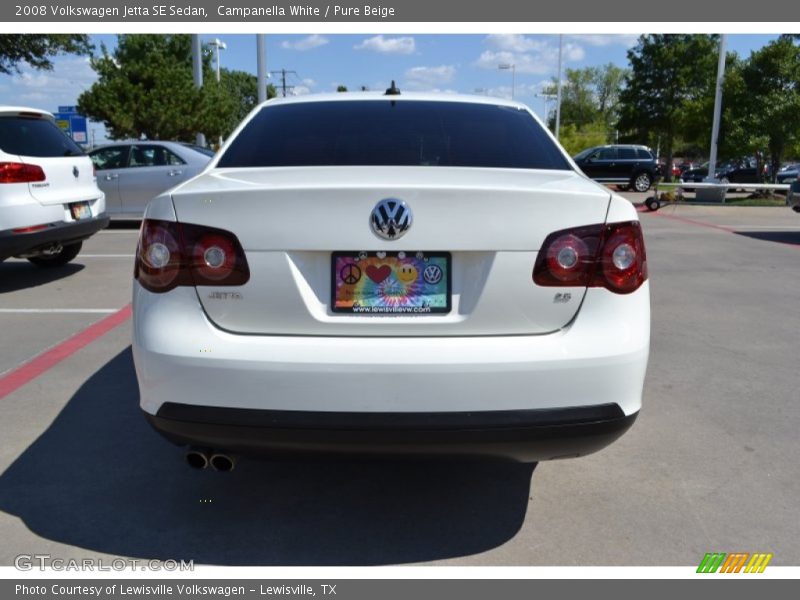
(409, 273)
(49, 199)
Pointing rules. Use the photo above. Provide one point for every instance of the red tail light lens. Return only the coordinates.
(177, 254)
(610, 256)
(623, 263)
(13, 172)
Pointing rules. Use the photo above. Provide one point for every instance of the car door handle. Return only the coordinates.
(174, 172)
(112, 176)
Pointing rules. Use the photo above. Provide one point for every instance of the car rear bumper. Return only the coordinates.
(62, 232)
(201, 385)
(524, 435)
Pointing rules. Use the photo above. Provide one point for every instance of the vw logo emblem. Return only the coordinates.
(75, 172)
(391, 218)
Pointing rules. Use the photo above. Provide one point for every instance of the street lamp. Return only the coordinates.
(512, 67)
(219, 45)
(546, 98)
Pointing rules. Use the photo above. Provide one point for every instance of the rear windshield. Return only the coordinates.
(404, 133)
(31, 136)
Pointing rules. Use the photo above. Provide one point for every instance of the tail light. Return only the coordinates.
(178, 254)
(14, 172)
(610, 256)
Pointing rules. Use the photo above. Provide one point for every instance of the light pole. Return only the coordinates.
(712, 162)
(219, 45)
(197, 73)
(558, 94)
(512, 67)
(546, 98)
(261, 67)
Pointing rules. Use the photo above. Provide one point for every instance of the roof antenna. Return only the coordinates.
(393, 90)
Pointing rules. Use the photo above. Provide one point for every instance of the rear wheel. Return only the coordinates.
(642, 182)
(58, 259)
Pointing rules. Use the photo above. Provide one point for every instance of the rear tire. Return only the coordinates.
(652, 204)
(641, 182)
(67, 254)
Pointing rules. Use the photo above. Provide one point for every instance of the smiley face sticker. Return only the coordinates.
(407, 273)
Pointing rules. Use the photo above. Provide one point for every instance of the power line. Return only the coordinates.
(283, 73)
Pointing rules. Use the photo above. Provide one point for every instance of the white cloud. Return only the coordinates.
(429, 78)
(48, 89)
(304, 87)
(528, 55)
(306, 43)
(378, 43)
(514, 42)
(626, 39)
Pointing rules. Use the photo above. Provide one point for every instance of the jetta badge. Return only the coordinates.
(75, 172)
(391, 218)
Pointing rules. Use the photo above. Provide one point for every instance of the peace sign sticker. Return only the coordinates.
(350, 274)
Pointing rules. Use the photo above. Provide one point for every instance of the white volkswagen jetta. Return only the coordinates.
(391, 273)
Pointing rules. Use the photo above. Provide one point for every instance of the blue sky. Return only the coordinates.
(439, 62)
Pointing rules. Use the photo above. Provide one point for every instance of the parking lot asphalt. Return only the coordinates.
(710, 465)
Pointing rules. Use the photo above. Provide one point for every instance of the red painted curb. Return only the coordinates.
(45, 361)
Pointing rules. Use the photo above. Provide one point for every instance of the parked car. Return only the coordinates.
(740, 171)
(133, 173)
(626, 166)
(402, 273)
(49, 200)
(788, 174)
(793, 198)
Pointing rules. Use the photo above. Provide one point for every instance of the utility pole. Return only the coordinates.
(283, 73)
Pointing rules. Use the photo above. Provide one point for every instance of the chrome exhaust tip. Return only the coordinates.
(222, 462)
(196, 459)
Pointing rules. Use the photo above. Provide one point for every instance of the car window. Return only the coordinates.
(643, 154)
(206, 151)
(109, 158)
(583, 154)
(35, 136)
(627, 153)
(153, 156)
(607, 154)
(391, 132)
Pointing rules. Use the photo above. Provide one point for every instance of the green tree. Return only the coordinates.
(762, 95)
(588, 105)
(578, 101)
(667, 74)
(37, 50)
(242, 88)
(145, 89)
(574, 140)
(341, 88)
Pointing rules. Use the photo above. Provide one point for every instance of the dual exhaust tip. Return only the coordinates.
(200, 459)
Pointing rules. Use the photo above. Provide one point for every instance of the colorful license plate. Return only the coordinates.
(80, 210)
(391, 283)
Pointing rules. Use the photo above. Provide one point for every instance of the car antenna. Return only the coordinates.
(393, 90)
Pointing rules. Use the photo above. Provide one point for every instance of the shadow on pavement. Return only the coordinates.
(99, 478)
(783, 237)
(15, 276)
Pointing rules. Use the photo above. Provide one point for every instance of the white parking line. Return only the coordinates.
(58, 311)
(781, 227)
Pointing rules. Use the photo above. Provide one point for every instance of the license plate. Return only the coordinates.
(80, 210)
(391, 283)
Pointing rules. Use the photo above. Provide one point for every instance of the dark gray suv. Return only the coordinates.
(626, 166)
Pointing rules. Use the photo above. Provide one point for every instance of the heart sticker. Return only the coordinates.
(378, 274)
